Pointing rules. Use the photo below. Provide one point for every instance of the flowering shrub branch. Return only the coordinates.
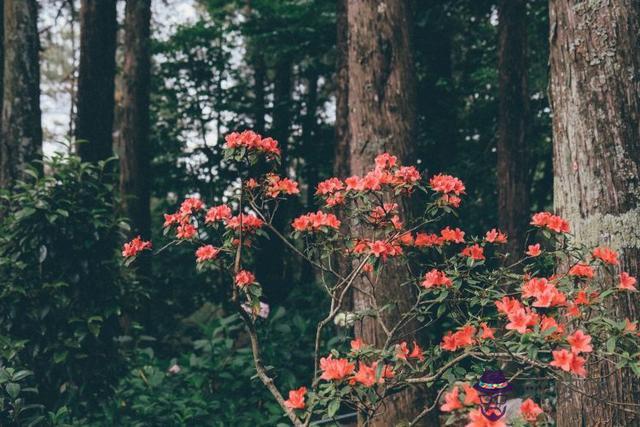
(545, 316)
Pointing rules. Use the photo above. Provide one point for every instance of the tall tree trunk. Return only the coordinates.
(381, 118)
(260, 81)
(595, 97)
(96, 79)
(273, 272)
(21, 128)
(134, 126)
(341, 162)
(513, 123)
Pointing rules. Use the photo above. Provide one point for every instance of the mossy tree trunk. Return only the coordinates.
(595, 94)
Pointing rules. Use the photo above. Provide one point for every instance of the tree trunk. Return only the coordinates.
(381, 118)
(513, 122)
(341, 162)
(595, 97)
(260, 77)
(274, 274)
(96, 79)
(134, 126)
(21, 128)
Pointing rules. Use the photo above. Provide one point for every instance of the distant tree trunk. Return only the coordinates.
(21, 128)
(341, 162)
(1, 64)
(134, 126)
(382, 118)
(513, 123)
(595, 97)
(260, 81)
(273, 273)
(96, 79)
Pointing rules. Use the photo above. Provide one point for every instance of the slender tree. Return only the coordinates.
(134, 124)
(96, 77)
(21, 128)
(381, 118)
(595, 97)
(513, 117)
(341, 163)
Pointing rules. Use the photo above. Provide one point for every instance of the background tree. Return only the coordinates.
(513, 123)
(96, 79)
(381, 118)
(134, 124)
(21, 129)
(595, 64)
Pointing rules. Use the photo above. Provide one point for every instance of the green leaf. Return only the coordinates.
(611, 344)
(333, 407)
(13, 390)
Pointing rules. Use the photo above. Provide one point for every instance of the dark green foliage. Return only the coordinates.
(63, 294)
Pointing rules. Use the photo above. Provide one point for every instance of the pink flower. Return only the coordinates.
(530, 410)
(296, 398)
(134, 247)
(207, 252)
(627, 282)
(244, 278)
(534, 250)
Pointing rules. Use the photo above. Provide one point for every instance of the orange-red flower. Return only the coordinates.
(251, 141)
(627, 282)
(520, 320)
(451, 400)
(316, 221)
(534, 250)
(530, 410)
(277, 186)
(446, 184)
(250, 222)
(487, 332)
(424, 240)
(474, 252)
(186, 230)
(218, 213)
(606, 255)
(244, 278)
(134, 247)
(191, 205)
(207, 252)
(580, 342)
(357, 344)
(296, 398)
(335, 369)
(506, 305)
(550, 221)
(461, 338)
(365, 375)
(495, 236)
(582, 269)
(568, 361)
(471, 396)
(436, 278)
(416, 352)
(449, 235)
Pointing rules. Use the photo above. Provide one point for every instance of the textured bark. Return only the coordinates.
(381, 118)
(96, 79)
(21, 128)
(513, 121)
(595, 70)
(341, 162)
(134, 125)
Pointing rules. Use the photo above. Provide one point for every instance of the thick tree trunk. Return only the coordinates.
(595, 94)
(134, 126)
(21, 128)
(513, 121)
(96, 79)
(260, 81)
(381, 118)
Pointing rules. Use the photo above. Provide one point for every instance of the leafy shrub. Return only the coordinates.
(208, 384)
(62, 291)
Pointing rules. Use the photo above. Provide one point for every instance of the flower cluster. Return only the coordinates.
(550, 221)
(134, 247)
(316, 221)
(277, 186)
(450, 186)
(251, 141)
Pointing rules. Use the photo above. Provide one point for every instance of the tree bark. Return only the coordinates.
(96, 79)
(341, 162)
(21, 128)
(513, 122)
(381, 118)
(595, 97)
(134, 126)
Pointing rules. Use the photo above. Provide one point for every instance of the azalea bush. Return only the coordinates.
(542, 316)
